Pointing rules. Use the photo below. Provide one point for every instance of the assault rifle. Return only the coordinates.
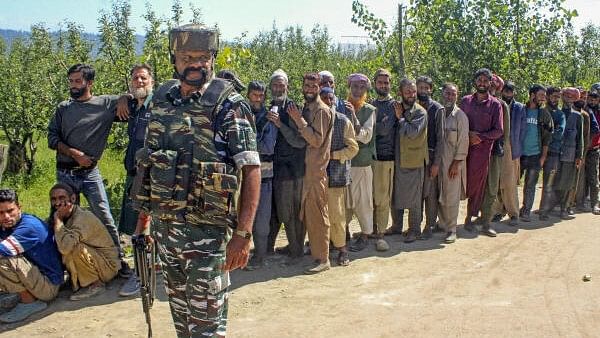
(145, 266)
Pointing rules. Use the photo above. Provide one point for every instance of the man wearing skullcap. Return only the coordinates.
(343, 148)
(485, 124)
(570, 158)
(361, 187)
(315, 124)
(288, 169)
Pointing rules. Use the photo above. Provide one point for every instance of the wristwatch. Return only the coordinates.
(244, 234)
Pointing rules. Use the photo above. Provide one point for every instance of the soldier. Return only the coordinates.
(198, 143)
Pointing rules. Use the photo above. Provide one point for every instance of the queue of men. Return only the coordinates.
(209, 170)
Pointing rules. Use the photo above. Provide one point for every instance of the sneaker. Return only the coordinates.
(343, 259)
(359, 245)
(8, 301)
(514, 221)
(596, 211)
(450, 238)
(382, 245)
(125, 271)
(525, 217)
(21, 311)
(319, 267)
(488, 231)
(88, 292)
(130, 287)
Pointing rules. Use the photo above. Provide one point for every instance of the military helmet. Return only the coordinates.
(193, 37)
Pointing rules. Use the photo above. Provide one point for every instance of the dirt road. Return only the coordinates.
(527, 282)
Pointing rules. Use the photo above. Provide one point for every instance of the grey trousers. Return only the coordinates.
(288, 197)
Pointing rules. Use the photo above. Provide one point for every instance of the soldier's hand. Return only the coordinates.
(238, 252)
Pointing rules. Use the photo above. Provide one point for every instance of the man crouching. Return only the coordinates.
(29, 261)
(88, 251)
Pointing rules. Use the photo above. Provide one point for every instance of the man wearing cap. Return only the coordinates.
(288, 169)
(411, 157)
(570, 158)
(328, 80)
(315, 124)
(485, 124)
(383, 165)
(343, 148)
(361, 186)
(187, 178)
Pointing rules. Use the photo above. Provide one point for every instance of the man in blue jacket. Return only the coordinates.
(29, 260)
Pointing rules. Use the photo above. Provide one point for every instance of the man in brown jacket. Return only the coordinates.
(87, 249)
(315, 124)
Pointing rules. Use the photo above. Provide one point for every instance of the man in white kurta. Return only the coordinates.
(449, 163)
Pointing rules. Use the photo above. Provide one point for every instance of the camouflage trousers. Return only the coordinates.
(193, 257)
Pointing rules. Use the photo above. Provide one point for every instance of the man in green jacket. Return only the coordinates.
(411, 157)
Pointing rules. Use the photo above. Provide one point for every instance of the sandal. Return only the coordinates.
(343, 259)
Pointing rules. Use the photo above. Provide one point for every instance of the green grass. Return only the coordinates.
(33, 190)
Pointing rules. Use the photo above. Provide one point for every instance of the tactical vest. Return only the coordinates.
(338, 172)
(182, 176)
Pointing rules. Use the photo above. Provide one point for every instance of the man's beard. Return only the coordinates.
(423, 97)
(197, 82)
(256, 107)
(483, 90)
(507, 99)
(310, 97)
(278, 98)
(382, 93)
(594, 107)
(140, 93)
(579, 104)
(449, 105)
(552, 105)
(77, 92)
(409, 101)
(357, 103)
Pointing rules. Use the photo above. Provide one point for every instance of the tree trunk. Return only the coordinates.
(17, 158)
(3, 159)
(401, 62)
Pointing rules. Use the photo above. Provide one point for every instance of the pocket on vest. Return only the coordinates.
(163, 170)
(213, 192)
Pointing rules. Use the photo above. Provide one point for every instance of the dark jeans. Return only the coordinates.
(530, 167)
(591, 176)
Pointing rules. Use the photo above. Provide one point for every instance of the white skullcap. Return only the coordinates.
(279, 73)
(326, 73)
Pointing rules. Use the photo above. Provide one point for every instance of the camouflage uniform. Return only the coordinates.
(187, 179)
